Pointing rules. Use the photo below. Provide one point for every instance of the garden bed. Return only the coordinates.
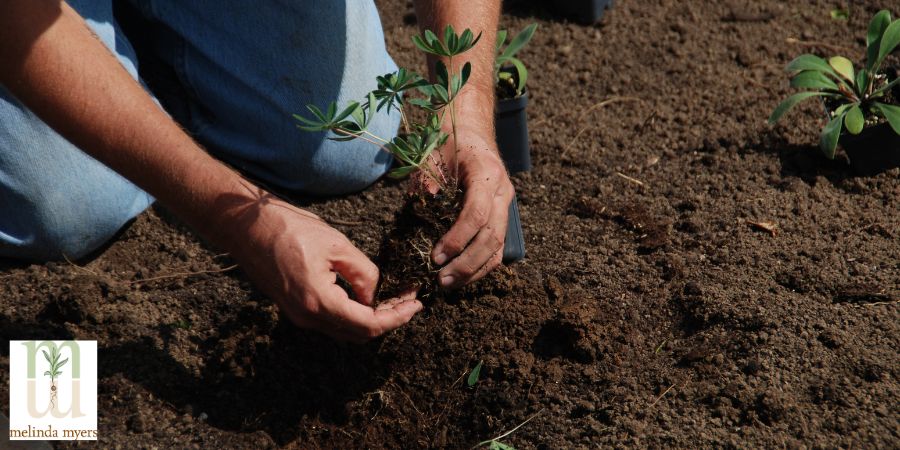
(695, 278)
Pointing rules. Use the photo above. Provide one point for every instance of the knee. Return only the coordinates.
(347, 167)
(54, 230)
(344, 168)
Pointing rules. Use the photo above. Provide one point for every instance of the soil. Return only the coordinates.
(404, 257)
(654, 308)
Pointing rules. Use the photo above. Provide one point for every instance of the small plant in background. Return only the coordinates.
(510, 73)
(840, 14)
(55, 365)
(855, 98)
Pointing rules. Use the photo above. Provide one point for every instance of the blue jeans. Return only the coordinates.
(245, 68)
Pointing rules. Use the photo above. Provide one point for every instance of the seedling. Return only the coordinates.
(414, 147)
(496, 444)
(55, 365)
(474, 375)
(510, 73)
(840, 14)
(855, 98)
(424, 107)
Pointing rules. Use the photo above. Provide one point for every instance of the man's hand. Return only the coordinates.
(474, 245)
(295, 257)
(53, 64)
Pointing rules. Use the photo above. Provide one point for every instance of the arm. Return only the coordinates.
(474, 245)
(52, 63)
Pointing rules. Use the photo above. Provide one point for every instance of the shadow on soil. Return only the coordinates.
(805, 162)
(255, 379)
(26, 331)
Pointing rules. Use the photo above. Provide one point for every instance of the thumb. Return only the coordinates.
(359, 271)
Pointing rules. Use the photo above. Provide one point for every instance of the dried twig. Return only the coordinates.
(864, 305)
(633, 180)
(768, 227)
(508, 432)
(834, 48)
(81, 268)
(182, 275)
(661, 396)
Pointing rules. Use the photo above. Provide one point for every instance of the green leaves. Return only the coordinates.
(790, 102)
(889, 41)
(810, 62)
(349, 124)
(843, 66)
(812, 79)
(507, 57)
(835, 73)
(450, 46)
(474, 375)
(840, 14)
(852, 93)
(877, 27)
(862, 81)
(517, 43)
(882, 38)
(828, 140)
(891, 113)
(391, 87)
(413, 150)
(854, 120)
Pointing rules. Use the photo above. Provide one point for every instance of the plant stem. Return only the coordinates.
(453, 117)
(403, 120)
(428, 170)
(431, 174)
(376, 137)
(359, 135)
(439, 171)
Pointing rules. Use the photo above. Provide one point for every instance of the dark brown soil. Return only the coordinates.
(404, 257)
(650, 311)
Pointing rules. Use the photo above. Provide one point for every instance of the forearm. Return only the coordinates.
(51, 62)
(475, 105)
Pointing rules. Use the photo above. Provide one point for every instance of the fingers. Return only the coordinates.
(359, 271)
(364, 323)
(484, 253)
(475, 214)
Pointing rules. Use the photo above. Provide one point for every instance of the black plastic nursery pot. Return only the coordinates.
(514, 246)
(512, 139)
(877, 148)
(583, 11)
(511, 122)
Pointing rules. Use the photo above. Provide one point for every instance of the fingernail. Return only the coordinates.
(441, 258)
(447, 280)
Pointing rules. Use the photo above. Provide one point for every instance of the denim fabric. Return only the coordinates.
(246, 67)
(54, 199)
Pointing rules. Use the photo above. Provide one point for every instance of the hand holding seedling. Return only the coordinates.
(295, 258)
(453, 148)
(474, 245)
